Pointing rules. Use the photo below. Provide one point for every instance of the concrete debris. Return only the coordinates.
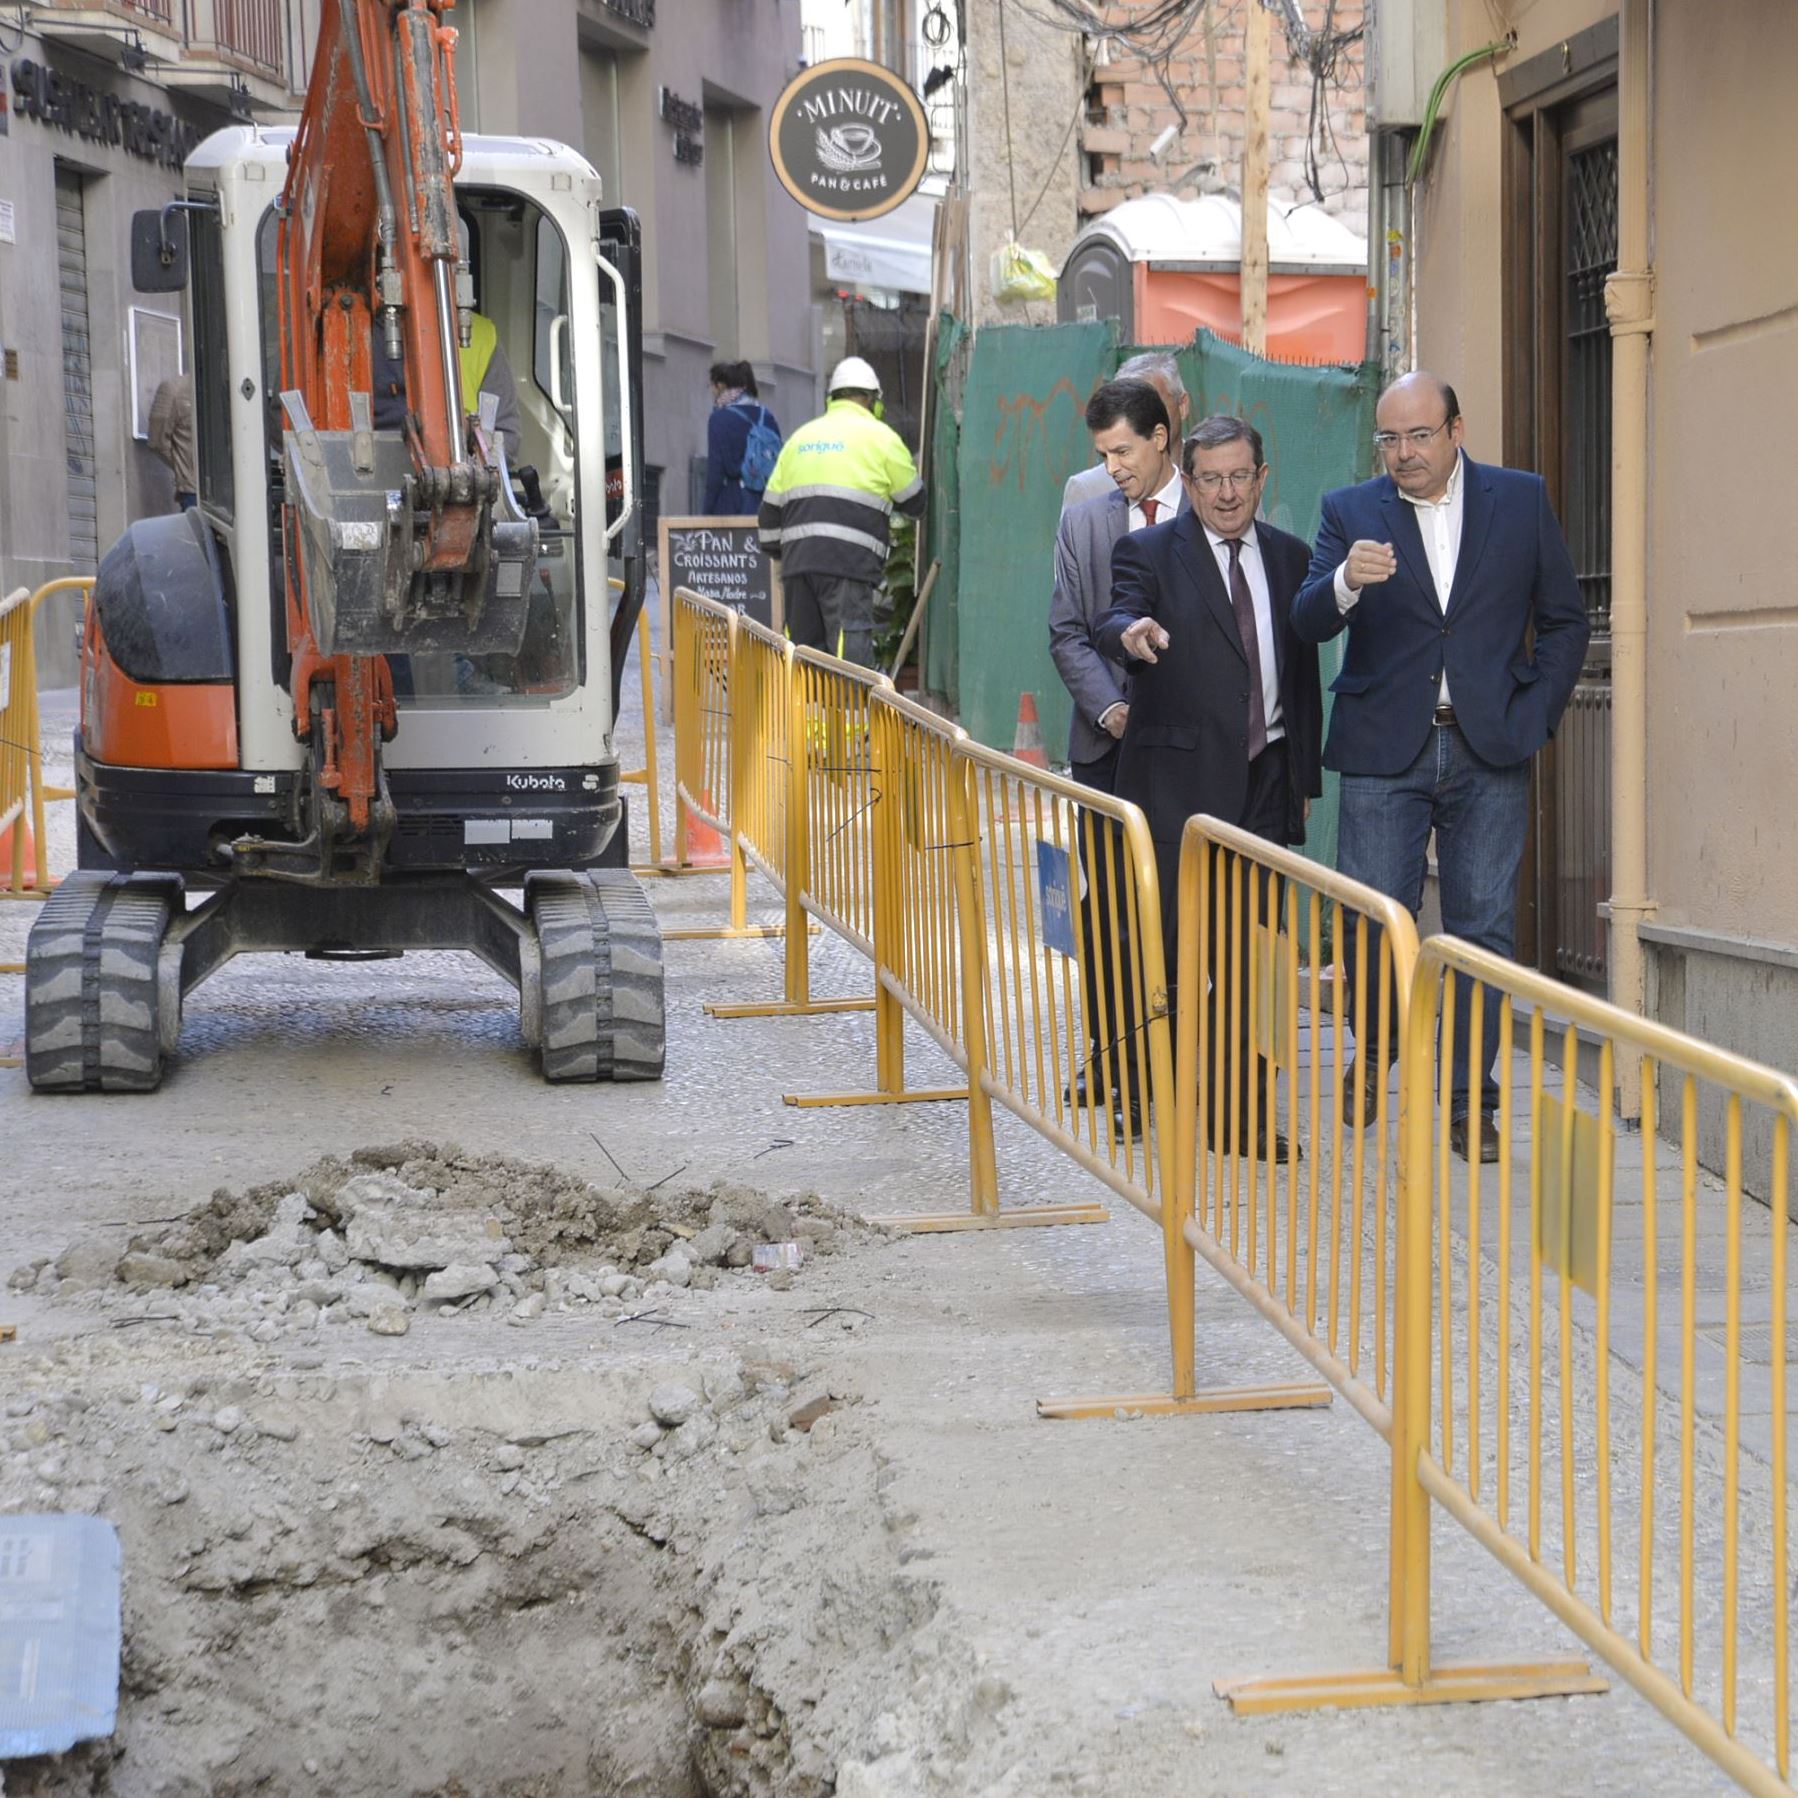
(458, 1282)
(671, 1405)
(418, 1230)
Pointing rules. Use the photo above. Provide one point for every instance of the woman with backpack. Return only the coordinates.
(742, 443)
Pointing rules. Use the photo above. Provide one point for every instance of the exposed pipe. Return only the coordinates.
(1485, 53)
(1629, 308)
(387, 227)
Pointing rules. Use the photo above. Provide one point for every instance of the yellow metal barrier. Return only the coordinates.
(705, 635)
(761, 753)
(1308, 1234)
(1030, 852)
(1595, 1533)
(876, 858)
(649, 775)
(715, 758)
(19, 805)
(808, 806)
(22, 789)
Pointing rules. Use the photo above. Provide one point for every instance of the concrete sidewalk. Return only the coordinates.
(1102, 1574)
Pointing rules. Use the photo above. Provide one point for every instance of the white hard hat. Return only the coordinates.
(853, 375)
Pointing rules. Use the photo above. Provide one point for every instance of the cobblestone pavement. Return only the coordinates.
(1107, 1571)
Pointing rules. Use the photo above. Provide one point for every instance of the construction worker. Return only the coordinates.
(484, 370)
(824, 514)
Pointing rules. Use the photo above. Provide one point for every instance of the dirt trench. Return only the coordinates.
(472, 1561)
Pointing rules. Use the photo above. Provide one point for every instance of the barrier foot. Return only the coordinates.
(723, 933)
(12, 967)
(1477, 1681)
(788, 1008)
(1163, 1404)
(928, 1224)
(917, 1095)
(676, 870)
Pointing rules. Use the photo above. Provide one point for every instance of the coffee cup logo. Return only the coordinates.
(848, 139)
(849, 147)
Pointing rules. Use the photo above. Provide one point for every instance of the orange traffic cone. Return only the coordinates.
(29, 877)
(705, 848)
(1027, 744)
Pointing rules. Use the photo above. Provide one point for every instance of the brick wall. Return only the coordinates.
(1128, 109)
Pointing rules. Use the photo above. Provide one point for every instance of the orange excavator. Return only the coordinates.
(361, 697)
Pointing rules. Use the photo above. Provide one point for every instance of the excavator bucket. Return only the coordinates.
(351, 491)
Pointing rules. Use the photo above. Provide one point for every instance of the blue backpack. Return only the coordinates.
(761, 450)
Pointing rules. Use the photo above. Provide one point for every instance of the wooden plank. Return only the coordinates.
(1257, 57)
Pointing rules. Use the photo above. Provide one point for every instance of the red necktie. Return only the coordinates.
(1242, 602)
(1149, 508)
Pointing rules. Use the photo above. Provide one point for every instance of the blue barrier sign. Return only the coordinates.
(1055, 890)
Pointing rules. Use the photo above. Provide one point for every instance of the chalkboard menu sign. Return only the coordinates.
(722, 559)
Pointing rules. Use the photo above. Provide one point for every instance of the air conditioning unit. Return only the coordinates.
(1408, 42)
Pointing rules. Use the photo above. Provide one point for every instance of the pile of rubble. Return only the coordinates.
(393, 1234)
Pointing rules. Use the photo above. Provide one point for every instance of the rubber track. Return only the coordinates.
(603, 1009)
(90, 985)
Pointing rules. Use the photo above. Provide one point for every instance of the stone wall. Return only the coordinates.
(1081, 131)
(1128, 109)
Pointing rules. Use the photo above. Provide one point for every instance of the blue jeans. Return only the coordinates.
(1480, 815)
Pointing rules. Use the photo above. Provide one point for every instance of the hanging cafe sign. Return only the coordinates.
(849, 139)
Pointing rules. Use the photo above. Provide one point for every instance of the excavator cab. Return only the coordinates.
(203, 753)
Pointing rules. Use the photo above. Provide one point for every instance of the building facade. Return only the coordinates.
(101, 103)
(670, 104)
(1614, 295)
(106, 97)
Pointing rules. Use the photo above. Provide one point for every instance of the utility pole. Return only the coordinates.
(1257, 59)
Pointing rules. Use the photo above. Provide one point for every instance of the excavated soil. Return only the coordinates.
(646, 1560)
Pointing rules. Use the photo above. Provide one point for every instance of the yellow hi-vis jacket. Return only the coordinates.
(475, 358)
(838, 481)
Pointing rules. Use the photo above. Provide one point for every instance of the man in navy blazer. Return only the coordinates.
(1440, 570)
(1226, 709)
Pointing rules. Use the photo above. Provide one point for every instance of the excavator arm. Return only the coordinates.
(397, 541)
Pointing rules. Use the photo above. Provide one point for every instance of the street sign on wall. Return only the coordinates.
(849, 139)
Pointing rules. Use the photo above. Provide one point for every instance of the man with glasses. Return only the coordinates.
(1226, 710)
(1439, 570)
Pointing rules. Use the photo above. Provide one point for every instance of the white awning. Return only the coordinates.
(891, 252)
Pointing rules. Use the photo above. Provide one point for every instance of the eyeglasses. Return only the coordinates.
(1210, 482)
(1387, 441)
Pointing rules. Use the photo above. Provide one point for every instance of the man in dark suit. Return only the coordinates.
(1439, 570)
(1129, 426)
(1226, 709)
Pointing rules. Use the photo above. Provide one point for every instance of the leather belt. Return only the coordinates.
(1445, 714)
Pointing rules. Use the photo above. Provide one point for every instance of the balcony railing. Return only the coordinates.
(250, 33)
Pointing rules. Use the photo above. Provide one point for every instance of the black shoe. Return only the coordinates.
(1236, 1143)
(1367, 1075)
(1126, 1115)
(1074, 1093)
(1458, 1134)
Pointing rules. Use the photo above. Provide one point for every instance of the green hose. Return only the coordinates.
(1486, 53)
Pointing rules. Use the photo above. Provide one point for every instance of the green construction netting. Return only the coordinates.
(939, 639)
(1021, 434)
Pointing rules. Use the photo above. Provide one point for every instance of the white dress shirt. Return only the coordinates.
(1256, 575)
(1439, 525)
(1167, 503)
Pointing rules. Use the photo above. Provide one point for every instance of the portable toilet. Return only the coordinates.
(1162, 266)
